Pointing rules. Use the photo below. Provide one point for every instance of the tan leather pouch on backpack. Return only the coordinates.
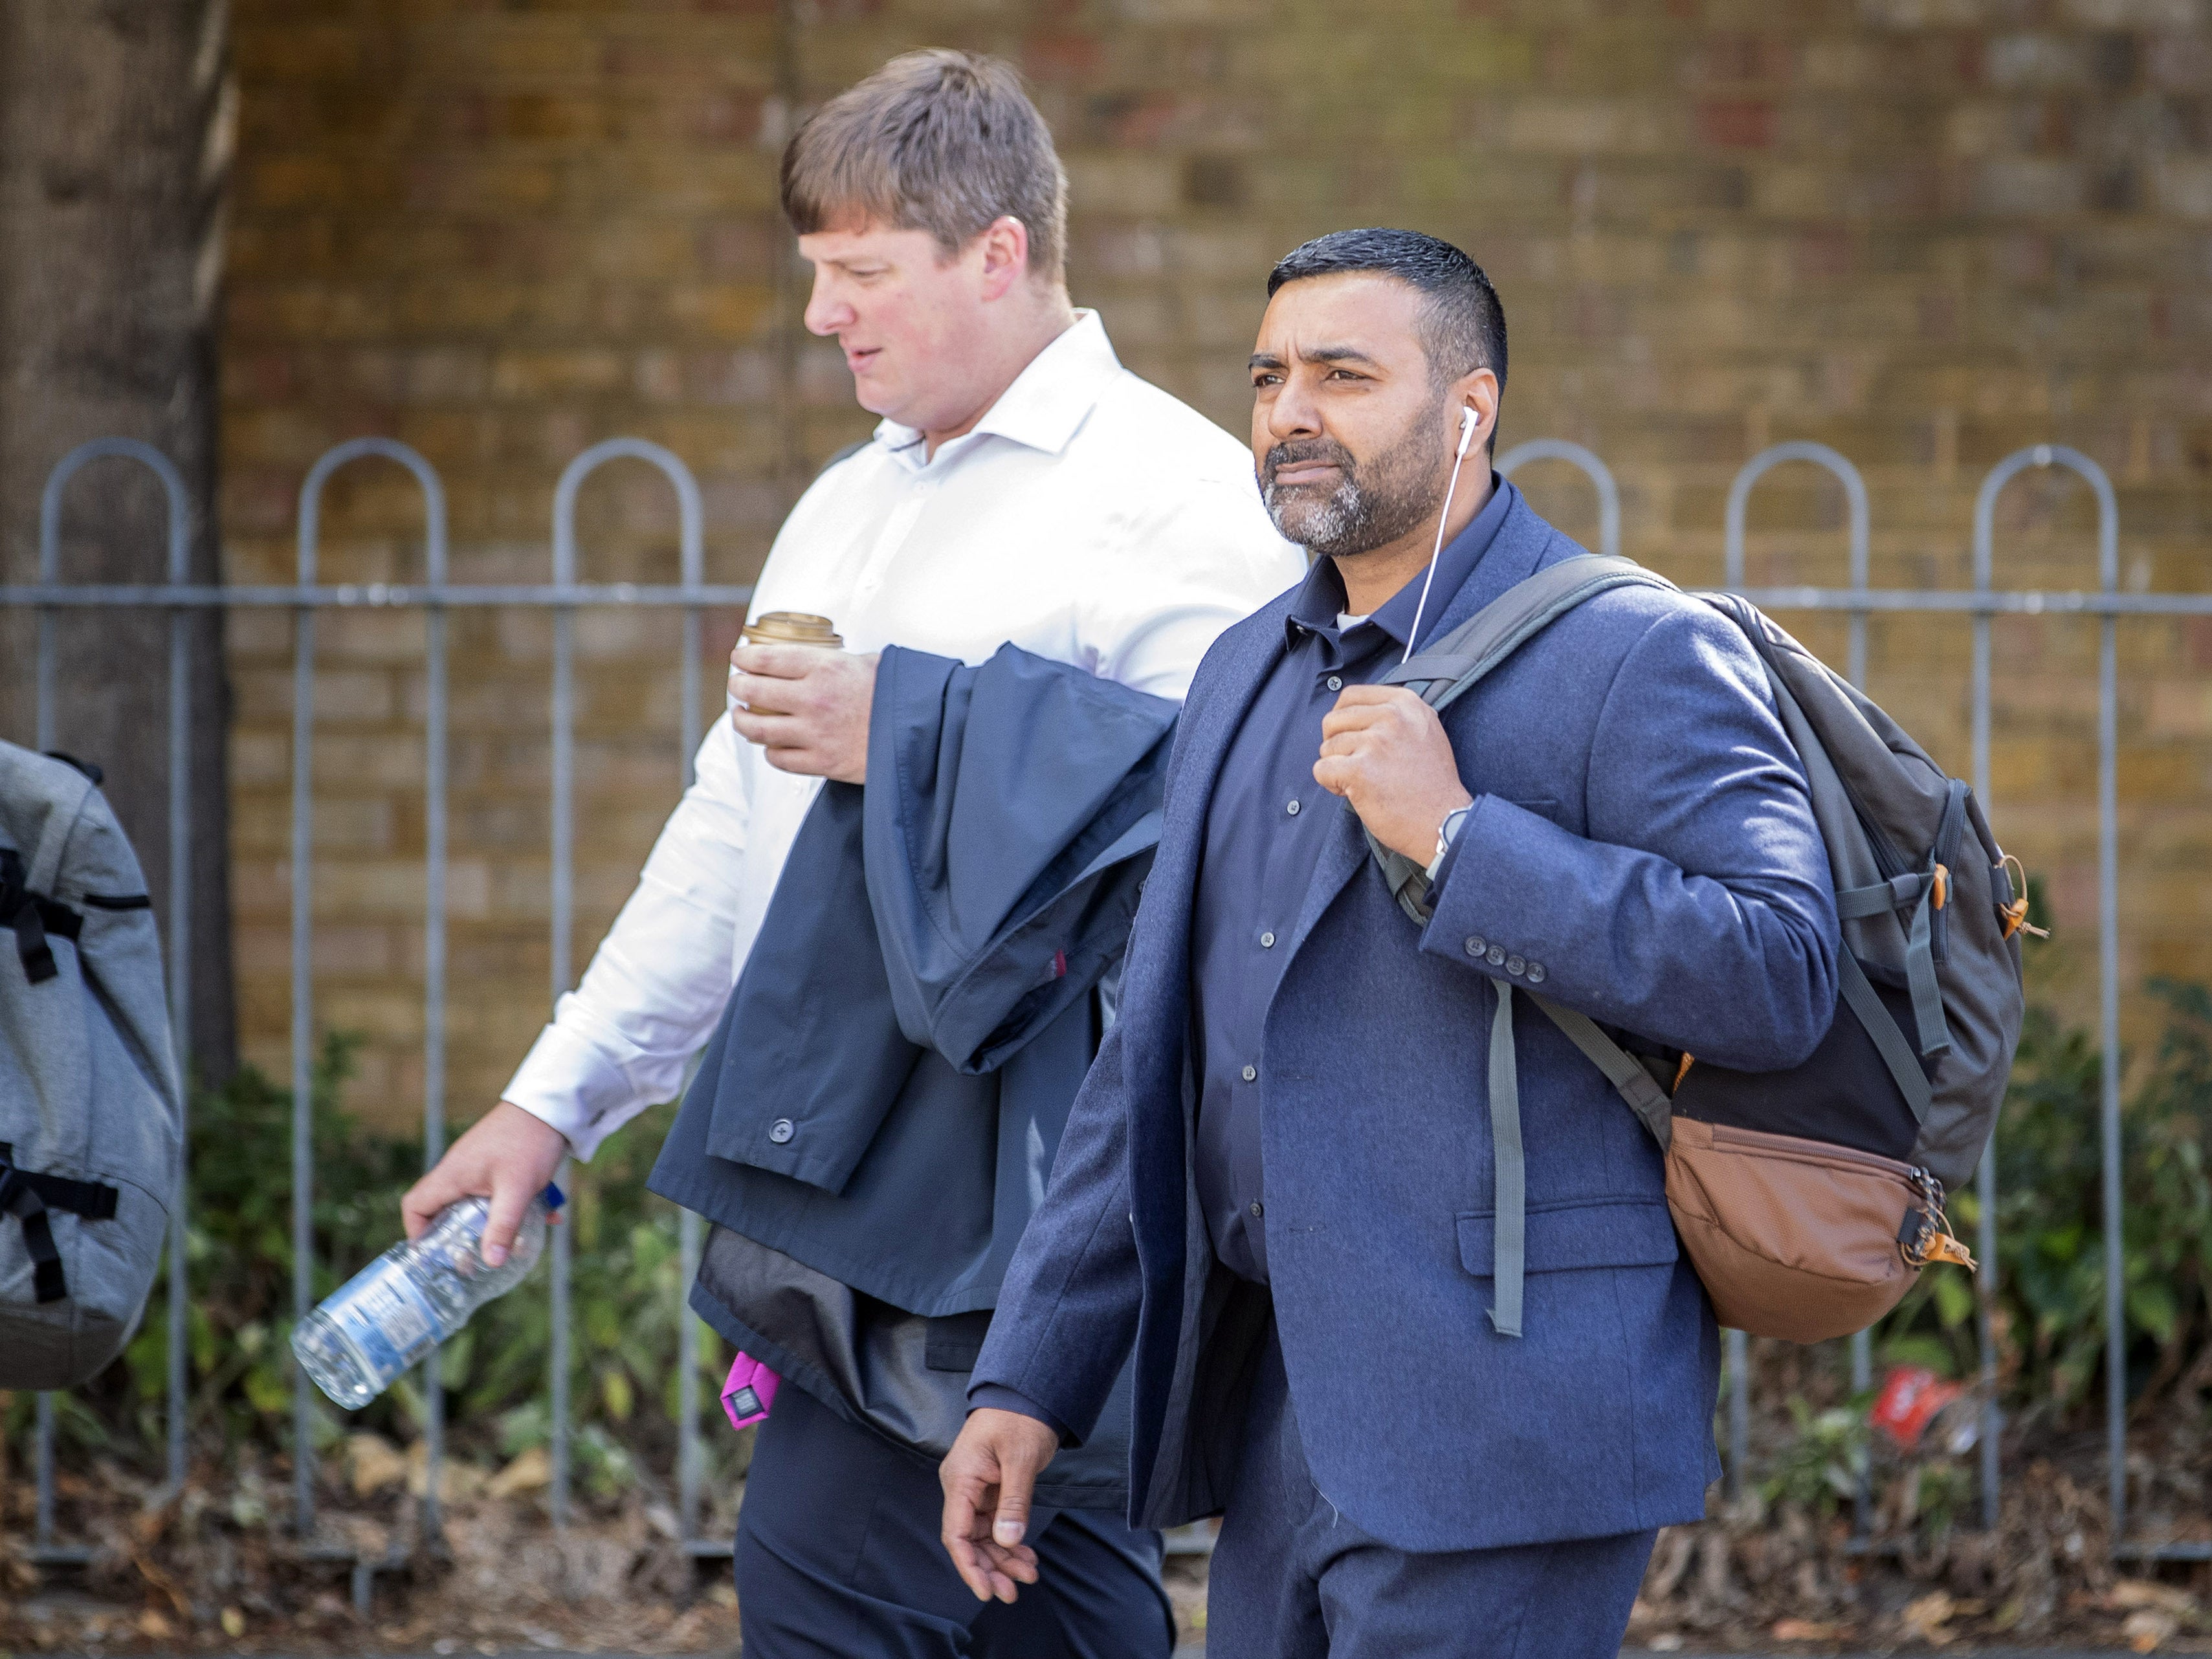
(1799, 1239)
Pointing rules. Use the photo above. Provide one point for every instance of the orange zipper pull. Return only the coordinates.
(1945, 1248)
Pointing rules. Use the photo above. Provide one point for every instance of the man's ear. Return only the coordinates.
(1480, 392)
(1004, 245)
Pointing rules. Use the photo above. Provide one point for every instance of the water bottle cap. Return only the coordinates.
(553, 1197)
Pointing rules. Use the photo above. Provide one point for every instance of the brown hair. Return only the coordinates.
(945, 142)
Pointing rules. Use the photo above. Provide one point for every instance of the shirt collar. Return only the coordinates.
(1043, 408)
(1321, 599)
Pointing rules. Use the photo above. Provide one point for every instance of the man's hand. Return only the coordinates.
(987, 1477)
(507, 1156)
(1384, 751)
(807, 708)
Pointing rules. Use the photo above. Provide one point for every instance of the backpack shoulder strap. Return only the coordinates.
(1451, 666)
(1454, 664)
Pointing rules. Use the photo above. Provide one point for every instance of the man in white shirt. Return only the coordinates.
(1022, 487)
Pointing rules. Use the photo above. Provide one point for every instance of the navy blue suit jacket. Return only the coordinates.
(1641, 829)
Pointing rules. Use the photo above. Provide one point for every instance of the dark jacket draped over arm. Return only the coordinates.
(882, 1101)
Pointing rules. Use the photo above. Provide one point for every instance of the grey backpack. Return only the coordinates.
(1809, 1198)
(91, 1112)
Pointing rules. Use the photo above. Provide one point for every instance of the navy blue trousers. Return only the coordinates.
(1292, 1579)
(838, 1558)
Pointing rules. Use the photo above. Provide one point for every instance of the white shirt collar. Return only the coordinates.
(1043, 409)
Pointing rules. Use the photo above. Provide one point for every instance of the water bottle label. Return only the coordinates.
(385, 1314)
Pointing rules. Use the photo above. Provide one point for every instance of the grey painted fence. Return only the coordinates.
(565, 595)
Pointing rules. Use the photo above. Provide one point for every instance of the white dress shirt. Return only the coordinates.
(1089, 518)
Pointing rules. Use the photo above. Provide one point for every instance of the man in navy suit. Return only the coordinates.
(1278, 1181)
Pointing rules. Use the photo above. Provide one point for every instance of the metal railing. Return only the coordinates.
(564, 595)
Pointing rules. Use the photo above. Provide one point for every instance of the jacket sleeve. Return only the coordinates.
(1698, 912)
(1067, 1311)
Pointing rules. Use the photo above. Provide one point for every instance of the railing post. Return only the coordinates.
(2108, 960)
(1855, 497)
(177, 500)
(303, 732)
(690, 532)
(303, 1061)
(1600, 475)
(1739, 1365)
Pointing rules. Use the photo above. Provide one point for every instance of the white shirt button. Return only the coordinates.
(1251, 1072)
(1267, 941)
(1336, 682)
(1292, 808)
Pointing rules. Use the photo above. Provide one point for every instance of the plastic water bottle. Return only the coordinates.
(384, 1320)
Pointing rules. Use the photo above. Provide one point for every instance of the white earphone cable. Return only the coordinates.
(1468, 422)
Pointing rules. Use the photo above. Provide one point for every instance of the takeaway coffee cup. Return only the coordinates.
(793, 628)
(789, 627)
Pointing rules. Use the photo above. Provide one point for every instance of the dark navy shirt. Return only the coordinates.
(1265, 830)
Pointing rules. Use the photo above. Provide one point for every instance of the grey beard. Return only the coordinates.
(1342, 524)
(1375, 504)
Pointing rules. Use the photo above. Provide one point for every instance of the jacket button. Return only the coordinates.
(1515, 964)
(1476, 945)
(1535, 973)
(1251, 1072)
(1258, 1208)
(1497, 956)
(781, 1130)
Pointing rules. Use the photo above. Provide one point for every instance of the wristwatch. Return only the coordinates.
(1446, 833)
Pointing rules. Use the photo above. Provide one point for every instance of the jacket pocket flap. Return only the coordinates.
(1619, 1233)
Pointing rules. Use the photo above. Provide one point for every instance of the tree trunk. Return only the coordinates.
(115, 130)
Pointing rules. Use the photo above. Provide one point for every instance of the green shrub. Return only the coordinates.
(2049, 1308)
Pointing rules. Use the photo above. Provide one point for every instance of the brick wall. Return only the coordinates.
(1926, 231)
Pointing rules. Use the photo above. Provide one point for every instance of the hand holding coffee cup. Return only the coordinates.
(802, 698)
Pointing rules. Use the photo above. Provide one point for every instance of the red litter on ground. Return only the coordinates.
(1910, 1399)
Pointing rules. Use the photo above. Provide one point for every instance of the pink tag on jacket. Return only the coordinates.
(750, 1392)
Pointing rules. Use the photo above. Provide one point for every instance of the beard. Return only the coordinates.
(1374, 502)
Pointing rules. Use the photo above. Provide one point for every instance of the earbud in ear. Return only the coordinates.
(1468, 421)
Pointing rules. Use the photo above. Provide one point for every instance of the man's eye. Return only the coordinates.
(1259, 381)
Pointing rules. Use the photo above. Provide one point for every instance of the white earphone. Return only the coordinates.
(1469, 423)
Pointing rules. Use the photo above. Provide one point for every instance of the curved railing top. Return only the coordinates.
(434, 500)
(2042, 455)
(690, 554)
(1600, 475)
(173, 486)
(1855, 497)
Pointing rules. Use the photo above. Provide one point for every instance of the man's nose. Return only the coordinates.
(1294, 413)
(826, 313)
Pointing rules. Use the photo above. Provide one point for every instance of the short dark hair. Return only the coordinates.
(945, 142)
(1462, 325)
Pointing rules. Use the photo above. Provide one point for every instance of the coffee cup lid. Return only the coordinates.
(793, 628)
